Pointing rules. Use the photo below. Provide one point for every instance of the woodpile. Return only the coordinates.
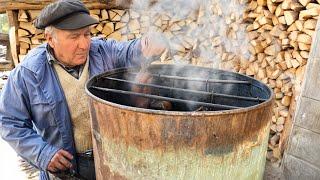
(28, 36)
(190, 42)
(279, 34)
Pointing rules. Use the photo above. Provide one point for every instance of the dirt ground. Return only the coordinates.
(272, 172)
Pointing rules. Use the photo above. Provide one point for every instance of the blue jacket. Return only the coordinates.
(32, 97)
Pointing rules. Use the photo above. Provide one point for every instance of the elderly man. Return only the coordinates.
(43, 108)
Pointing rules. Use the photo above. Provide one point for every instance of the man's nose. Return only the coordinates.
(84, 42)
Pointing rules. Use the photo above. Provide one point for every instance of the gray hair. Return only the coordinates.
(50, 30)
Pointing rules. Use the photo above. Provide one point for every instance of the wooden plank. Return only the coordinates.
(315, 43)
(13, 35)
(305, 144)
(39, 4)
(308, 114)
(311, 86)
(304, 140)
(297, 169)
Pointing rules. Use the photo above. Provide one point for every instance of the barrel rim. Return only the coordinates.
(193, 113)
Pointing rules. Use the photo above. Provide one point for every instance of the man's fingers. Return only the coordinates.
(65, 162)
(55, 163)
(66, 154)
(60, 166)
(60, 161)
(55, 166)
(51, 168)
(63, 158)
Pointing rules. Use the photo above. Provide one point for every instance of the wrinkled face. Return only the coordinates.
(71, 47)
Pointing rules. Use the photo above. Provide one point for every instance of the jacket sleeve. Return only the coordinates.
(124, 53)
(16, 125)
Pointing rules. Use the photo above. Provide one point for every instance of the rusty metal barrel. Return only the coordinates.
(228, 140)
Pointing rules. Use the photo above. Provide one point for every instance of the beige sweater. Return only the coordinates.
(74, 90)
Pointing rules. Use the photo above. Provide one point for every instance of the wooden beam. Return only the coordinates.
(40, 4)
(13, 35)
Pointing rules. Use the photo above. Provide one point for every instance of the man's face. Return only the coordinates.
(71, 47)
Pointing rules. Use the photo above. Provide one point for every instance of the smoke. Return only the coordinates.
(199, 32)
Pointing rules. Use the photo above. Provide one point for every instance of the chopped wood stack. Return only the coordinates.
(192, 38)
(279, 36)
(280, 33)
(28, 36)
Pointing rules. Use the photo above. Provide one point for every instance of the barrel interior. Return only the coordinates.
(195, 79)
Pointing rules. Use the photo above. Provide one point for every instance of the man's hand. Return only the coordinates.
(60, 161)
(153, 44)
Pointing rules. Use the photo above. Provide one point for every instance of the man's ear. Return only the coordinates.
(50, 40)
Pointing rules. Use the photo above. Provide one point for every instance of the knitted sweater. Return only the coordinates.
(74, 90)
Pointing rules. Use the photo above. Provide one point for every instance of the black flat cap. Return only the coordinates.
(65, 14)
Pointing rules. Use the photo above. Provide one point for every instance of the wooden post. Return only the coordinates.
(301, 158)
(13, 35)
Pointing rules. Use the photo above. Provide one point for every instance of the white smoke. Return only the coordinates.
(199, 32)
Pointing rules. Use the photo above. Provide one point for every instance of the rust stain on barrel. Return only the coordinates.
(210, 134)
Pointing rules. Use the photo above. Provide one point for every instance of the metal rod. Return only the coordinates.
(226, 107)
(188, 90)
(197, 79)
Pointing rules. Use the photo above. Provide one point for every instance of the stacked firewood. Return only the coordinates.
(192, 37)
(28, 36)
(269, 40)
(280, 33)
(187, 40)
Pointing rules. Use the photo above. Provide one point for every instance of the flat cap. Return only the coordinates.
(65, 14)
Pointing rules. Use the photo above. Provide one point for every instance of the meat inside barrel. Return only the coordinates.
(144, 77)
